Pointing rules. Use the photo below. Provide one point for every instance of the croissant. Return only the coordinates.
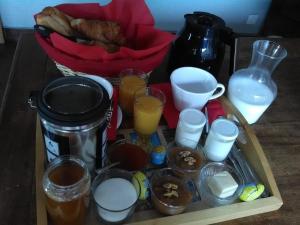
(52, 18)
(103, 31)
(54, 11)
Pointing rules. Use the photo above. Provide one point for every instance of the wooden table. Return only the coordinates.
(278, 132)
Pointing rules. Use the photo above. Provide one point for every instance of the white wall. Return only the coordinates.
(244, 16)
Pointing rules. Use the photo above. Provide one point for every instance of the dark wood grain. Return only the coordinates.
(17, 135)
(277, 130)
(6, 55)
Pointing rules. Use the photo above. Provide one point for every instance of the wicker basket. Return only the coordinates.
(115, 81)
(69, 72)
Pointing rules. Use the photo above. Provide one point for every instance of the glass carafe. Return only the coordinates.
(252, 90)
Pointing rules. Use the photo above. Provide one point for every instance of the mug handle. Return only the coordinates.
(219, 93)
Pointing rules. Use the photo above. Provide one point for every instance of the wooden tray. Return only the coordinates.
(196, 214)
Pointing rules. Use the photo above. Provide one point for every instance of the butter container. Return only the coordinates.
(211, 190)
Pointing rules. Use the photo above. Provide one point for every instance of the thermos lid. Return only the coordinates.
(225, 129)
(73, 101)
(204, 20)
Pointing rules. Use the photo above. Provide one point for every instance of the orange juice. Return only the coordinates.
(147, 113)
(128, 86)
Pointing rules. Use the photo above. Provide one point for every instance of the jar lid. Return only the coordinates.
(192, 118)
(225, 129)
(73, 101)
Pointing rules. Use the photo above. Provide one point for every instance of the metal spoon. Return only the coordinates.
(98, 171)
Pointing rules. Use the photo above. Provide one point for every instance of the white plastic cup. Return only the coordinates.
(193, 88)
(220, 139)
(189, 128)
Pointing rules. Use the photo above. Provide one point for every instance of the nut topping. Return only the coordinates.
(171, 194)
(170, 190)
(190, 160)
(184, 153)
(170, 186)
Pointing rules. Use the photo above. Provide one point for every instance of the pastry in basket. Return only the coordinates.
(54, 11)
(109, 47)
(107, 32)
(56, 20)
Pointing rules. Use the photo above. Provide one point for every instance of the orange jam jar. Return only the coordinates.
(66, 184)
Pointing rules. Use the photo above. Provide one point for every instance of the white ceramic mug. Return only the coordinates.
(104, 82)
(193, 87)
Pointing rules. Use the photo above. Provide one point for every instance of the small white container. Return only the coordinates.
(220, 139)
(189, 128)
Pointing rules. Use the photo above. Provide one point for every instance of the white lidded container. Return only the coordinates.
(189, 128)
(220, 139)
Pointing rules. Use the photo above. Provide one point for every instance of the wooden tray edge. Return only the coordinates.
(267, 172)
(218, 214)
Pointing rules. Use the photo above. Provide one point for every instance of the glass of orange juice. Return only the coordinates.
(131, 80)
(148, 107)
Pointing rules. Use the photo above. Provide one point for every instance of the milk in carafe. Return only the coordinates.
(252, 90)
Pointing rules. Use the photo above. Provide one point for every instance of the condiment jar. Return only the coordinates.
(66, 184)
(220, 139)
(158, 155)
(189, 128)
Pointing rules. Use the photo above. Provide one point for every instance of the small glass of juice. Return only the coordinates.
(131, 80)
(66, 184)
(148, 107)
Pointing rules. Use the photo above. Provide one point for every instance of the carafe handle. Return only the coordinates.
(230, 38)
(219, 93)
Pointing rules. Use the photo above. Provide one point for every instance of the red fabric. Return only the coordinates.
(171, 114)
(215, 110)
(127, 13)
(148, 41)
(146, 47)
(112, 128)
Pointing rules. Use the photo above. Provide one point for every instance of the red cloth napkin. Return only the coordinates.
(146, 48)
(109, 68)
(127, 13)
(171, 114)
(215, 110)
(112, 126)
(149, 41)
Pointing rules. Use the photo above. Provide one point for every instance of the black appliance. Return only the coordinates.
(201, 43)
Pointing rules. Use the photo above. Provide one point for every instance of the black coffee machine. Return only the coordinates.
(201, 43)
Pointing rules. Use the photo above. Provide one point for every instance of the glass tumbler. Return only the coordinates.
(148, 107)
(130, 81)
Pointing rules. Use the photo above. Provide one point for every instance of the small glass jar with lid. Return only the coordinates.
(66, 184)
(189, 128)
(220, 139)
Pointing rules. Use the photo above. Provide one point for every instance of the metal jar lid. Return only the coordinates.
(73, 101)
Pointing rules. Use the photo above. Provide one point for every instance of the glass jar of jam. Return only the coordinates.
(66, 184)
